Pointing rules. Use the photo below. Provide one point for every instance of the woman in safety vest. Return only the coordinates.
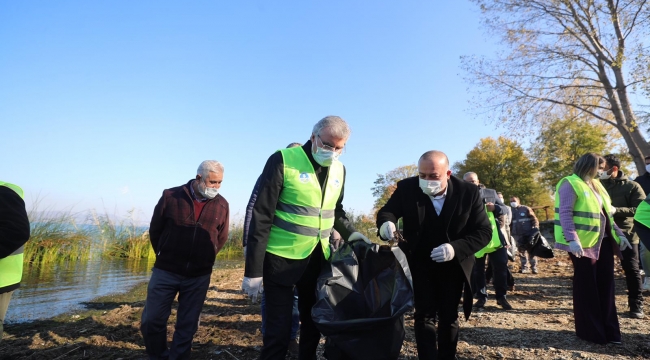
(585, 228)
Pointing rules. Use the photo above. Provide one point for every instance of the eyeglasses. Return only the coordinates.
(330, 148)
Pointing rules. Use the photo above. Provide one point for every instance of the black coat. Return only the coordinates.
(468, 228)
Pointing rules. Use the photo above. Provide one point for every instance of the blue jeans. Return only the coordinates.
(161, 292)
(295, 315)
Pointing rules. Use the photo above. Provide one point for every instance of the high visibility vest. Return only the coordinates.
(586, 212)
(11, 267)
(304, 216)
(642, 214)
(495, 242)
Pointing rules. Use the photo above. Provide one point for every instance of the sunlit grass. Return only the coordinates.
(56, 237)
(233, 248)
(124, 239)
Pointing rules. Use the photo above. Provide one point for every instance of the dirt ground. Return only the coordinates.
(539, 327)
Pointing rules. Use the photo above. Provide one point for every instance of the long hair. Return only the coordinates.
(587, 165)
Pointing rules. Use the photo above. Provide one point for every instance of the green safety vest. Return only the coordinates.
(11, 267)
(495, 242)
(586, 212)
(642, 214)
(303, 215)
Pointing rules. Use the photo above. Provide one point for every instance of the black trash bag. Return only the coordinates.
(541, 248)
(529, 239)
(361, 302)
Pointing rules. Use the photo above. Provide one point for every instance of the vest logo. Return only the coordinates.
(337, 183)
(522, 214)
(304, 177)
(587, 193)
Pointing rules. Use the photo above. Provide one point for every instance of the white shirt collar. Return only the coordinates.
(442, 196)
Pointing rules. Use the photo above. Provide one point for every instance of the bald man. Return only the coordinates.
(445, 224)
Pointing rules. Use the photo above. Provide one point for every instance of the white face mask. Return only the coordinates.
(604, 175)
(513, 204)
(430, 187)
(208, 193)
(647, 168)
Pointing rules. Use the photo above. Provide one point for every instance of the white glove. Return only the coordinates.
(625, 244)
(612, 211)
(245, 284)
(252, 287)
(576, 248)
(442, 253)
(386, 230)
(359, 236)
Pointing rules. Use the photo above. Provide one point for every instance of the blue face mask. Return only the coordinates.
(325, 157)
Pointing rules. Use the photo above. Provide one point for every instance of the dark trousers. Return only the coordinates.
(437, 294)
(499, 261)
(594, 306)
(279, 307)
(295, 315)
(633, 278)
(161, 292)
(510, 280)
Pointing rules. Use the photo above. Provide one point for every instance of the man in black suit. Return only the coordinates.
(444, 225)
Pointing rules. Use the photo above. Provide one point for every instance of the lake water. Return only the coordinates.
(61, 288)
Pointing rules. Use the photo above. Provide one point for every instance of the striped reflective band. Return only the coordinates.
(583, 214)
(304, 210)
(20, 250)
(295, 228)
(594, 228)
(297, 209)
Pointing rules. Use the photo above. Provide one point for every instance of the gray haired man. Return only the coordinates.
(188, 228)
(298, 205)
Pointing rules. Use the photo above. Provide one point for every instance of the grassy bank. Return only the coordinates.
(60, 236)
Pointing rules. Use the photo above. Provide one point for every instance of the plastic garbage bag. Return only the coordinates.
(361, 302)
(541, 248)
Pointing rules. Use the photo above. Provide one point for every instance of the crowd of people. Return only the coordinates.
(454, 227)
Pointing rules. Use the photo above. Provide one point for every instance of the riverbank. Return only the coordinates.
(539, 327)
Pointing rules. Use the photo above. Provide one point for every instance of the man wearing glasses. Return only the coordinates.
(298, 205)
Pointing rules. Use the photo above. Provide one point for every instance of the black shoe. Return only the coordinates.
(535, 271)
(504, 304)
(636, 313)
(479, 304)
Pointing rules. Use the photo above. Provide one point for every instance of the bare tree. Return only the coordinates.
(588, 55)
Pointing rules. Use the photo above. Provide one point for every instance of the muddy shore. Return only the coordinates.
(539, 327)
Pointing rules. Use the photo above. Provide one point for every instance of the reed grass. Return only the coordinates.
(124, 239)
(233, 248)
(55, 236)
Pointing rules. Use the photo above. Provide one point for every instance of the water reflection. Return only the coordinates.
(59, 288)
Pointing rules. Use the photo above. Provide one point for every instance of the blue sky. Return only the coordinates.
(105, 104)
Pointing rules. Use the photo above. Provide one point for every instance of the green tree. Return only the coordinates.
(586, 55)
(385, 184)
(503, 165)
(365, 224)
(562, 142)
